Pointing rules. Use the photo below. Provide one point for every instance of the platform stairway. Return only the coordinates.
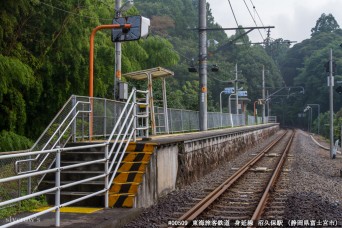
(130, 175)
(124, 188)
(83, 165)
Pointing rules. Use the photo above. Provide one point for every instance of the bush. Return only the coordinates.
(10, 141)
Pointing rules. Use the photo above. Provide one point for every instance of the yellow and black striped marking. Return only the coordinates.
(121, 200)
(140, 147)
(132, 166)
(128, 187)
(130, 174)
(137, 156)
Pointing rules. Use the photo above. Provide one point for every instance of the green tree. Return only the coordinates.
(326, 23)
(16, 79)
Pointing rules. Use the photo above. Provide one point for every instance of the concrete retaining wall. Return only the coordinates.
(178, 164)
(199, 157)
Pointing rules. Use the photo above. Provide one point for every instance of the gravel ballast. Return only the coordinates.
(315, 182)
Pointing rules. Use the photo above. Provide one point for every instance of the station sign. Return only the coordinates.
(242, 93)
(229, 90)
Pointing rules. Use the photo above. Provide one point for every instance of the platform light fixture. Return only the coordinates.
(214, 68)
(193, 69)
(126, 6)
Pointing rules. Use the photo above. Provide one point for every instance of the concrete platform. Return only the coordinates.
(114, 217)
(181, 137)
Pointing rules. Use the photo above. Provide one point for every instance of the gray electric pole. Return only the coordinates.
(331, 97)
(268, 105)
(117, 76)
(236, 90)
(203, 115)
(263, 95)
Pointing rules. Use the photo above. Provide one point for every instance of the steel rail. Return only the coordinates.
(262, 204)
(209, 199)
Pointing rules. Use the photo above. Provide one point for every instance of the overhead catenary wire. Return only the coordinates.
(262, 23)
(171, 49)
(231, 7)
(257, 13)
(237, 24)
(250, 13)
(73, 13)
(244, 38)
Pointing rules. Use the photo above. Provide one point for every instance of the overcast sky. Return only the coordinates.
(293, 19)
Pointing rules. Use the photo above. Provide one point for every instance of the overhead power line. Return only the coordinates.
(76, 14)
(231, 7)
(257, 13)
(250, 13)
(237, 24)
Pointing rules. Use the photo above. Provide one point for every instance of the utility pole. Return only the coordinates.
(331, 97)
(268, 39)
(263, 95)
(268, 105)
(203, 115)
(318, 113)
(236, 89)
(117, 77)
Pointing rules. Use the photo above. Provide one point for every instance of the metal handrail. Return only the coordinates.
(53, 189)
(17, 163)
(121, 157)
(120, 145)
(120, 117)
(51, 123)
(65, 119)
(131, 113)
(125, 134)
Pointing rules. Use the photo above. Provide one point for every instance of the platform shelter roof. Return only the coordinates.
(158, 72)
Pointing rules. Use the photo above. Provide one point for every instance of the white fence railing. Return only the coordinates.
(181, 120)
(129, 122)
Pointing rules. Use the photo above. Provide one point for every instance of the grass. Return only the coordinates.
(23, 206)
(9, 190)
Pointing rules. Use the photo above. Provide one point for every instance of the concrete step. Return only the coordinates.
(128, 187)
(124, 166)
(66, 196)
(121, 200)
(124, 187)
(89, 156)
(69, 182)
(140, 147)
(74, 175)
(137, 156)
(130, 176)
(93, 149)
(133, 146)
(81, 155)
(90, 186)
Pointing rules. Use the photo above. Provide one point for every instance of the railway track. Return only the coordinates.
(244, 195)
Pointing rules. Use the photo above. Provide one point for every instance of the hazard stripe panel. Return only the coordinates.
(137, 156)
(121, 200)
(134, 176)
(131, 188)
(132, 166)
(139, 147)
(130, 174)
